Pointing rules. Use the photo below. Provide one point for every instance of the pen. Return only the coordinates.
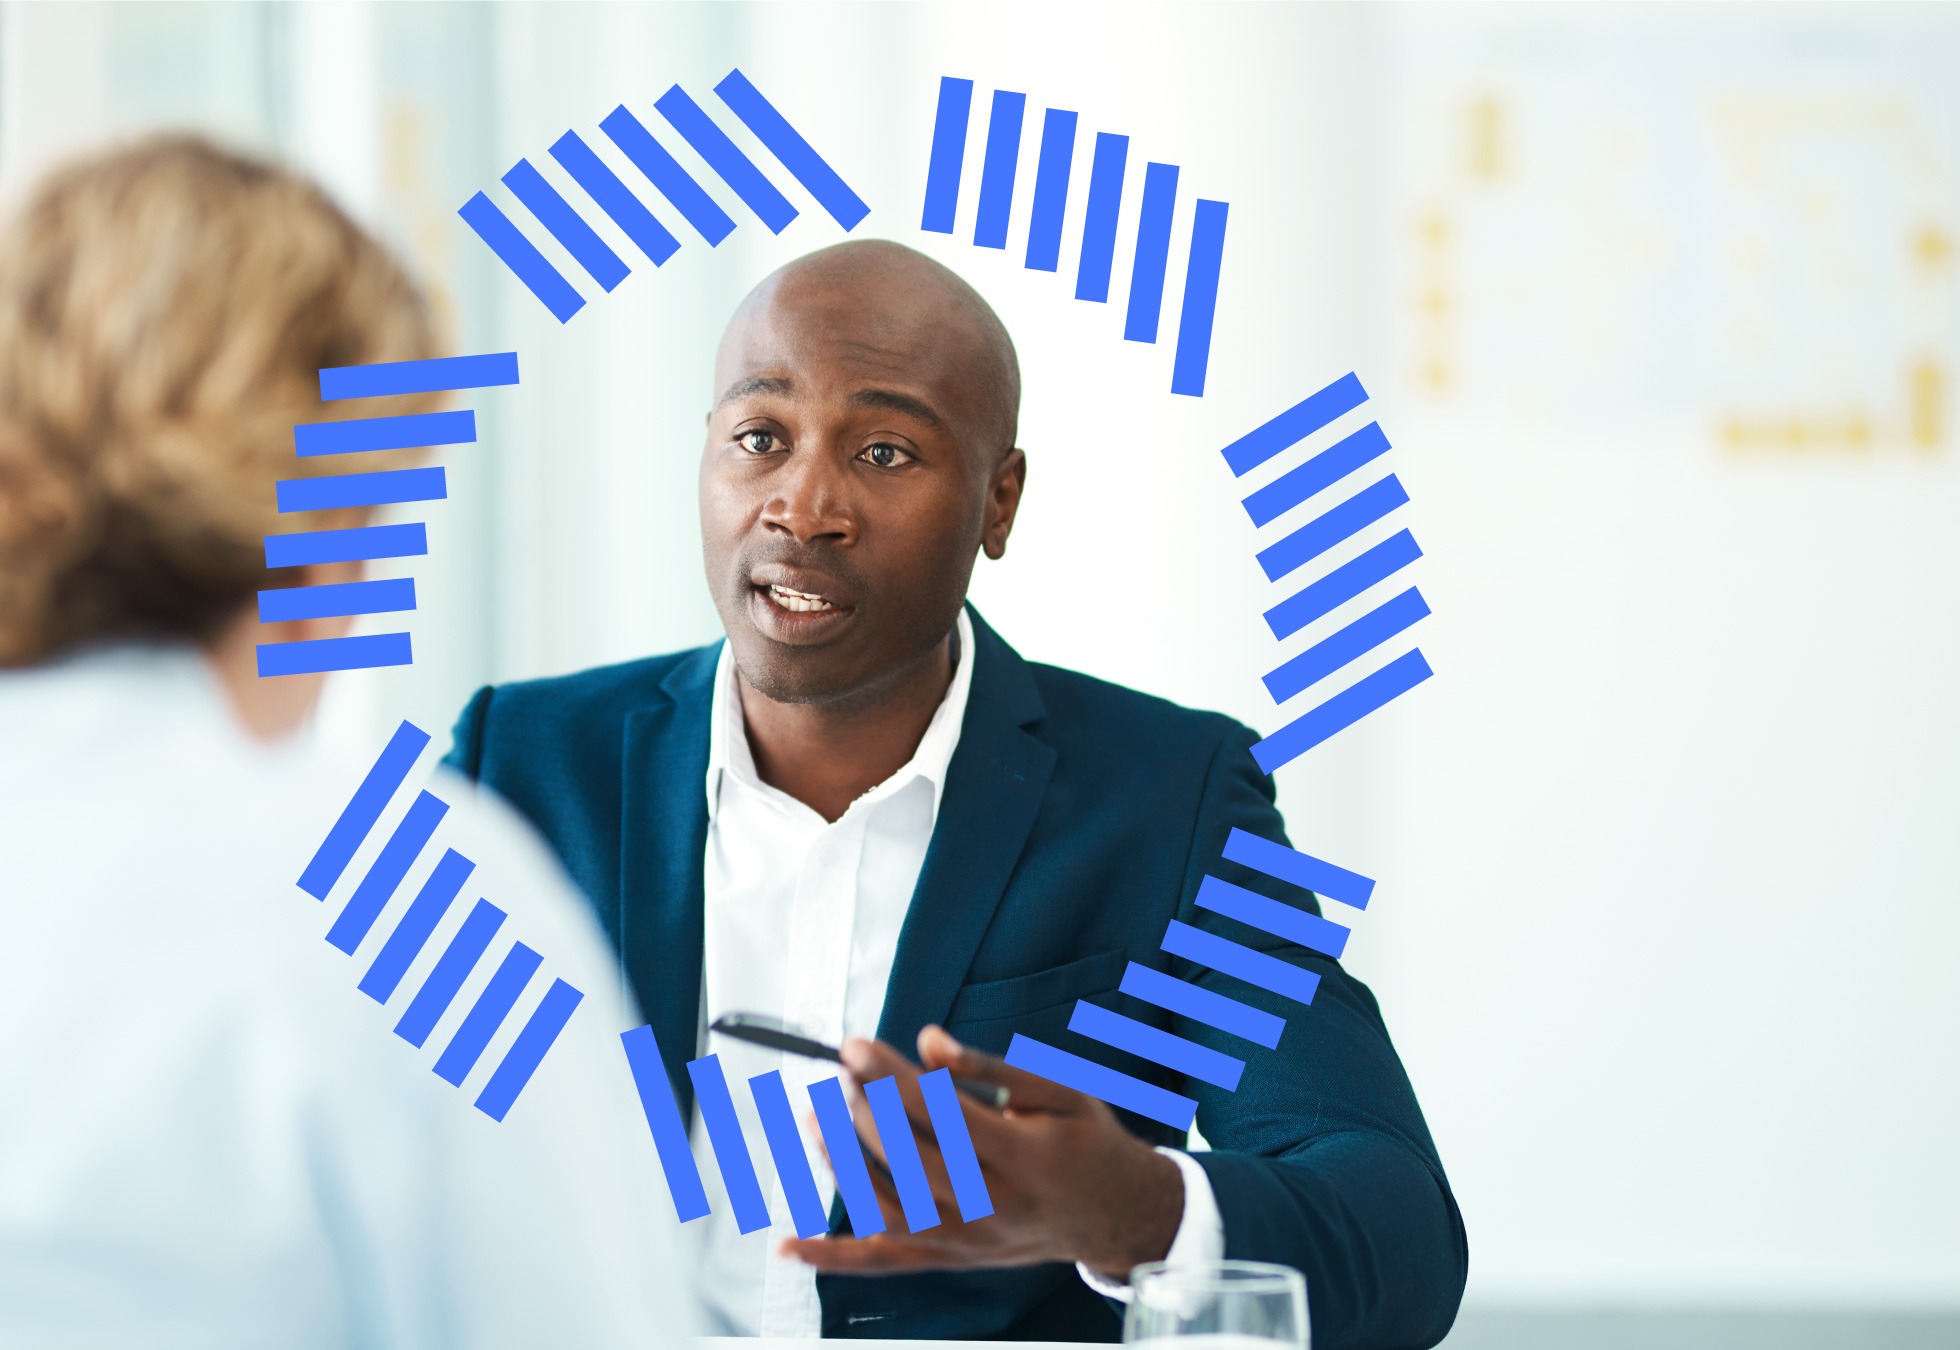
(759, 1030)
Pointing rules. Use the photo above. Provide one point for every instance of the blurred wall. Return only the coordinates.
(1676, 318)
(1659, 307)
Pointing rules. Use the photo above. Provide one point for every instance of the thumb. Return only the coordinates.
(1025, 1091)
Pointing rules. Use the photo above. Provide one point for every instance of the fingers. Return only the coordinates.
(867, 1256)
(917, 1126)
(883, 1189)
(1025, 1091)
(890, 1207)
(871, 1060)
(867, 1130)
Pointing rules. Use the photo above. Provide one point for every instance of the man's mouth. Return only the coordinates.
(799, 602)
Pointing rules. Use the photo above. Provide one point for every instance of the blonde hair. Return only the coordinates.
(164, 311)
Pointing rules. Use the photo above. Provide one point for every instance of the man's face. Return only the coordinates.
(847, 483)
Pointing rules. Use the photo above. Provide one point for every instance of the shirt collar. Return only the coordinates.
(728, 741)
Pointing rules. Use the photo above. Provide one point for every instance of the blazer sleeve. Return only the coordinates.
(466, 738)
(1321, 1158)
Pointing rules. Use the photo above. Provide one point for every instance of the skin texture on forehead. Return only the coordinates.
(887, 306)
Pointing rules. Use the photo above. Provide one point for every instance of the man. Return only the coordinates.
(906, 827)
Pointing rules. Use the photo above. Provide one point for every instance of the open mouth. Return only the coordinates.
(799, 602)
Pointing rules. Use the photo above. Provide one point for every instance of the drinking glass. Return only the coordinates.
(1216, 1305)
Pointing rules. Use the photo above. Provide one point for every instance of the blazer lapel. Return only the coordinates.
(664, 833)
(994, 786)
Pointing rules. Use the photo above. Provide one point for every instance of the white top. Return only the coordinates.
(778, 880)
(208, 1136)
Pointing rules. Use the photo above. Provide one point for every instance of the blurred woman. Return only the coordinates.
(208, 1135)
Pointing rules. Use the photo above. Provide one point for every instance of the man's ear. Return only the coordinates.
(1003, 500)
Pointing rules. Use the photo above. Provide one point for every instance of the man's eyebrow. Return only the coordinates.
(894, 401)
(754, 384)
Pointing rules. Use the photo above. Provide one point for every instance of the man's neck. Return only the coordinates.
(827, 755)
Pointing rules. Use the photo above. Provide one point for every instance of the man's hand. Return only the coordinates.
(1068, 1182)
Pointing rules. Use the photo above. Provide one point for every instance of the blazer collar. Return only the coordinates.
(993, 792)
(663, 834)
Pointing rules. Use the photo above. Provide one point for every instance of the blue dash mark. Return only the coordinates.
(1301, 869)
(412, 933)
(902, 1155)
(566, 225)
(408, 432)
(359, 544)
(956, 1144)
(338, 600)
(1356, 640)
(1324, 531)
(390, 865)
(1342, 584)
(365, 651)
(1156, 1045)
(1328, 467)
(521, 256)
(492, 1006)
(1202, 1005)
(997, 171)
(1299, 926)
(1240, 962)
(840, 1141)
(378, 787)
(1153, 253)
(387, 488)
(786, 1147)
(1051, 190)
(725, 1134)
(1100, 218)
(948, 155)
(1341, 711)
(436, 375)
(602, 185)
(808, 167)
(651, 158)
(737, 170)
(458, 959)
(663, 1115)
(528, 1050)
(1102, 1082)
(1200, 299)
(1294, 425)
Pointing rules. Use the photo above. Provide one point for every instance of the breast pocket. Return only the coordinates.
(987, 1015)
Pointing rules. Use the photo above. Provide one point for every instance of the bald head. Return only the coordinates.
(873, 296)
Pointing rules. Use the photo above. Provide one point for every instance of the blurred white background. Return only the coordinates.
(1660, 308)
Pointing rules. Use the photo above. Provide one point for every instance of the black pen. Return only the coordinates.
(759, 1030)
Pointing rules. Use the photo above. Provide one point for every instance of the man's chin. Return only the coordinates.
(794, 672)
(790, 677)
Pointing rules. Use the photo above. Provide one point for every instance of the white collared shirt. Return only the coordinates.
(802, 918)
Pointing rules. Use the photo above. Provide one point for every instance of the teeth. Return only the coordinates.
(797, 602)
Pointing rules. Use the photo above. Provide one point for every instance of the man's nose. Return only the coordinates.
(809, 500)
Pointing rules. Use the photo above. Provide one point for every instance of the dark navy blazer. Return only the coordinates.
(1077, 820)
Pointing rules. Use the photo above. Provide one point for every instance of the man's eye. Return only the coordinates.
(884, 455)
(757, 442)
